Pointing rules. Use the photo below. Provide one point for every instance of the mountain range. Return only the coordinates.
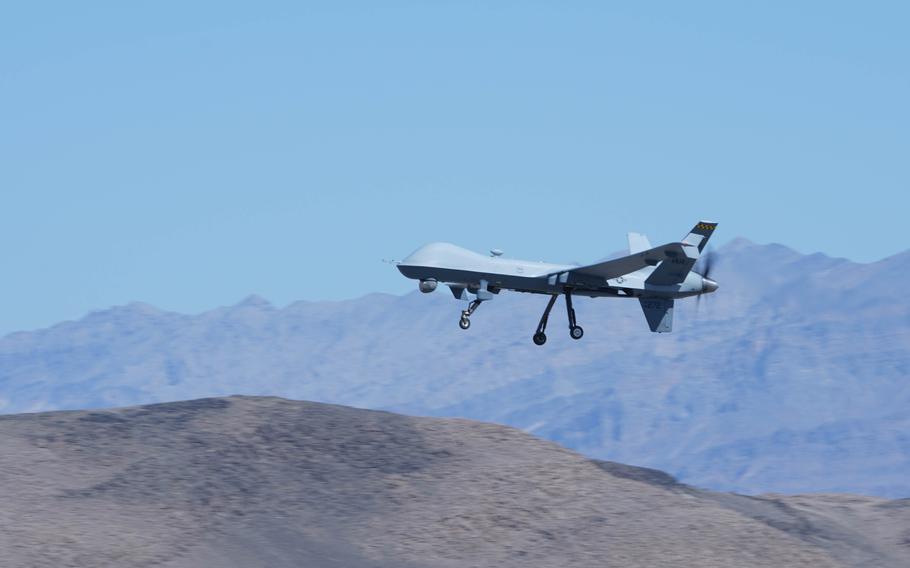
(793, 377)
(262, 482)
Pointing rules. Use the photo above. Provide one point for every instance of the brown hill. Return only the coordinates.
(247, 482)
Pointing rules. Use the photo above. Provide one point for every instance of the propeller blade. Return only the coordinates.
(708, 264)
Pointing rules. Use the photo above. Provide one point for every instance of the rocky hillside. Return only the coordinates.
(247, 482)
(794, 376)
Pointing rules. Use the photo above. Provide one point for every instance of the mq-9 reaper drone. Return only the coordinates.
(655, 275)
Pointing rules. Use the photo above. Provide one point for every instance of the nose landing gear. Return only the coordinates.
(465, 321)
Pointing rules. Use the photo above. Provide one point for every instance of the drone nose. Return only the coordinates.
(708, 285)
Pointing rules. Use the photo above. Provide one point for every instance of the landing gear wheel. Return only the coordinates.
(540, 338)
(576, 332)
(464, 323)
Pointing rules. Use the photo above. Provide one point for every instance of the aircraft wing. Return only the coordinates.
(673, 252)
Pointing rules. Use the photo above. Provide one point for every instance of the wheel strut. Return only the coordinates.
(575, 330)
(540, 337)
(465, 321)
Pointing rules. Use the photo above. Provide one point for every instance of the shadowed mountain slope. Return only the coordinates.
(794, 376)
(247, 482)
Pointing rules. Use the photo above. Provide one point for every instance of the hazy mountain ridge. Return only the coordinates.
(263, 482)
(793, 377)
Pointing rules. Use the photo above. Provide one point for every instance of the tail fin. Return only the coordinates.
(638, 243)
(700, 234)
(675, 271)
(659, 313)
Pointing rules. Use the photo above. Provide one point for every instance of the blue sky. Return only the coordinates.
(188, 154)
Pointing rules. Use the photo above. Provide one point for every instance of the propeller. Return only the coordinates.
(707, 264)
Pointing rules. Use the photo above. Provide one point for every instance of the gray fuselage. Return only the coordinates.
(462, 268)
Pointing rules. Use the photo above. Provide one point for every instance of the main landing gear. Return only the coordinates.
(575, 330)
(540, 337)
(465, 321)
